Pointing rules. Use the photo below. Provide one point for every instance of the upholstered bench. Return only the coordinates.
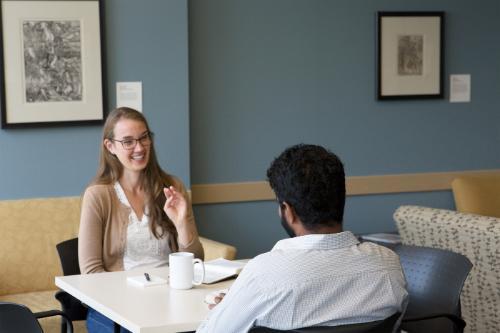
(29, 232)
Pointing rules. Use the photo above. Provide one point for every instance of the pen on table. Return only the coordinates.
(146, 275)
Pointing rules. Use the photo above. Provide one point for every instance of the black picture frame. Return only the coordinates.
(410, 55)
(53, 64)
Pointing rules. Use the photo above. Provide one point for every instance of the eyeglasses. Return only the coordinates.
(130, 144)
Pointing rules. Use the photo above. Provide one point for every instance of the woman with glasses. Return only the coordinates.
(134, 214)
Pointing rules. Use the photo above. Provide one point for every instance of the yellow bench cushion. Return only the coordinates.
(214, 249)
(29, 232)
(477, 194)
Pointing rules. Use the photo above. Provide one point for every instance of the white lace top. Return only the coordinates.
(142, 249)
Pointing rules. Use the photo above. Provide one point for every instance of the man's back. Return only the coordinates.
(317, 279)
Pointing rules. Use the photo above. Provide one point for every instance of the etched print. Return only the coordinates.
(410, 54)
(52, 61)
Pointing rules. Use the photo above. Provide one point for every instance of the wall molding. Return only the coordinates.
(356, 185)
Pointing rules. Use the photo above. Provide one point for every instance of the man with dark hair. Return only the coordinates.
(321, 276)
(309, 181)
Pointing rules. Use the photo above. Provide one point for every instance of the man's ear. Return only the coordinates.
(289, 213)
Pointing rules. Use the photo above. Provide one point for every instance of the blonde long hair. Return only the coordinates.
(153, 179)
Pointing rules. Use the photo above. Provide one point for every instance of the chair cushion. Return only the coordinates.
(43, 301)
(214, 249)
(477, 194)
(30, 231)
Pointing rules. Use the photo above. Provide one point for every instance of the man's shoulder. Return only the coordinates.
(378, 250)
(378, 257)
(358, 258)
(264, 262)
(260, 259)
(277, 264)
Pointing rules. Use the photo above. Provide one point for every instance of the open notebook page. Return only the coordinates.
(219, 269)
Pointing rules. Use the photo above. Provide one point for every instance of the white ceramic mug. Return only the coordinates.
(181, 270)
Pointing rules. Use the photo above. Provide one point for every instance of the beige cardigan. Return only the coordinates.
(103, 230)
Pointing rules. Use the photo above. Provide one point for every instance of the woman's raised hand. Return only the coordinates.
(176, 206)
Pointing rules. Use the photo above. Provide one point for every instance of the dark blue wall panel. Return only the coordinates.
(268, 74)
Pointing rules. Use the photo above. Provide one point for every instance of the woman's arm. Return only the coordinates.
(178, 208)
(90, 235)
(194, 247)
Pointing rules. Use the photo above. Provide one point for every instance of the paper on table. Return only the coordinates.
(140, 280)
(219, 269)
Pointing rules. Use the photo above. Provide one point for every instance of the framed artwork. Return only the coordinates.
(51, 62)
(410, 55)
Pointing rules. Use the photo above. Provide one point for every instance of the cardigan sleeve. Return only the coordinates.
(194, 247)
(90, 235)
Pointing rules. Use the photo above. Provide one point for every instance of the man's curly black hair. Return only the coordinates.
(311, 179)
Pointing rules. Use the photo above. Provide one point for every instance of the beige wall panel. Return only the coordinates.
(357, 185)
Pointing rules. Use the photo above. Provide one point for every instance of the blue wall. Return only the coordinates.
(264, 75)
(268, 74)
(145, 43)
(148, 41)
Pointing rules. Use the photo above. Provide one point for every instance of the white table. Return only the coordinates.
(152, 309)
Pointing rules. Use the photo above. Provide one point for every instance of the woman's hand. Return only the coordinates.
(176, 206)
(178, 210)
